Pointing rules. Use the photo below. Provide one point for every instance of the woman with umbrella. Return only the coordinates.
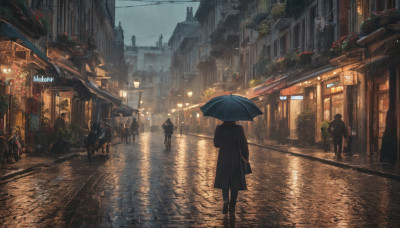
(232, 143)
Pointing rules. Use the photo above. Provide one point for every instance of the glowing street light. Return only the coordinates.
(190, 94)
(136, 83)
(179, 105)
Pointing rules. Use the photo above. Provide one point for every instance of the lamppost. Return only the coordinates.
(136, 84)
(179, 105)
(124, 94)
(190, 94)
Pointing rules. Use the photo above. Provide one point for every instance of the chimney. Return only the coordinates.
(191, 13)
(187, 13)
(133, 41)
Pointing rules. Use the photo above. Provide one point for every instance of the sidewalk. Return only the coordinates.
(365, 164)
(30, 163)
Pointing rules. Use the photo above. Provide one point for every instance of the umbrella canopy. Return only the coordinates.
(231, 108)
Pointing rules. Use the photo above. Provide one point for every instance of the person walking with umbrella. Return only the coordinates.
(233, 157)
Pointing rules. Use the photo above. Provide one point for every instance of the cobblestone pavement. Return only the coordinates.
(143, 185)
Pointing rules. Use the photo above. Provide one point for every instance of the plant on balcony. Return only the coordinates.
(345, 44)
(264, 28)
(304, 57)
(39, 16)
(274, 66)
(278, 11)
(256, 20)
(380, 19)
(254, 83)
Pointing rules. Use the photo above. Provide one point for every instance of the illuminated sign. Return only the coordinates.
(333, 84)
(283, 98)
(43, 79)
(299, 97)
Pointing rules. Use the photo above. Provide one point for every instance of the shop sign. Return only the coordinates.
(283, 98)
(333, 84)
(297, 97)
(42, 79)
(349, 78)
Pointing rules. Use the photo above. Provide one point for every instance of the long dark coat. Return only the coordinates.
(232, 142)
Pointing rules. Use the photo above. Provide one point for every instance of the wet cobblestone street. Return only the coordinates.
(141, 184)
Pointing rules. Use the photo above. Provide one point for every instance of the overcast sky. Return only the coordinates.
(148, 22)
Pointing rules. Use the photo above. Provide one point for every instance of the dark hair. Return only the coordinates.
(63, 114)
(338, 116)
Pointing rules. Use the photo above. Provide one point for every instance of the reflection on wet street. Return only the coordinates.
(143, 185)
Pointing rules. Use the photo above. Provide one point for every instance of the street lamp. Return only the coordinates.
(190, 94)
(136, 84)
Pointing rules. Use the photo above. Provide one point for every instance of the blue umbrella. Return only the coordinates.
(231, 108)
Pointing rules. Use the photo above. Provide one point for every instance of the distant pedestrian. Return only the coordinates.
(134, 129)
(121, 131)
(232, 144)
(127, 132)
(338, 130)
(60, 125)
(325, 135)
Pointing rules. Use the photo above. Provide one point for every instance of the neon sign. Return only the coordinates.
(42, 79)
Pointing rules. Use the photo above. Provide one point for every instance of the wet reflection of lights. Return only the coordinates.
(145, 167)
(181, 150)
(294, 167)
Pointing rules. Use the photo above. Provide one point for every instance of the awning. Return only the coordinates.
(7, 30)
(125, 110)
(313, 74)
(70, 72)
(374, 64)
(268, 87)
(102, 93)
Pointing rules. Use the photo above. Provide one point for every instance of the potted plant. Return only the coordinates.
(305, 57)
(305, 127)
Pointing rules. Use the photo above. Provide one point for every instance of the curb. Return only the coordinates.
(326, 161)
(56, 161)
(38, 166)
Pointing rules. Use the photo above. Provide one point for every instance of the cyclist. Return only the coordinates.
(168, 127)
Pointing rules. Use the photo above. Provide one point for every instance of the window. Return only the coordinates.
(283, 45)
(303, 34)
(312, 27)
(296, 42)
(390, 4)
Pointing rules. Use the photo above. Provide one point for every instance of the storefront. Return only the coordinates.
(333, 98)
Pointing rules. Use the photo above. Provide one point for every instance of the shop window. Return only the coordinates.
(337, 104)
(327, 109)
(295, 110)
(383, 107)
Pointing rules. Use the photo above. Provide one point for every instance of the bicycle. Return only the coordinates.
(168, 143)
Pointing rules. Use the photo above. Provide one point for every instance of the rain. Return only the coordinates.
(199, 113)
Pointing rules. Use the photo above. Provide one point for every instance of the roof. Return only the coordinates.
(7, 30)
(93, 88)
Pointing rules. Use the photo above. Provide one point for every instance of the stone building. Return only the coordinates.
(150, 66)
